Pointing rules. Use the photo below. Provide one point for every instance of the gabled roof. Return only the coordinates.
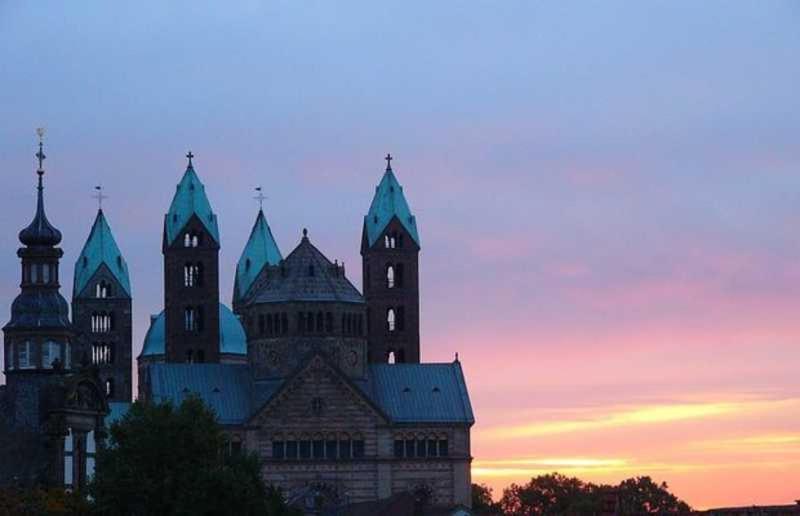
(100, 248)
(232, 339)
(190, 199)
(389, 202)
(225, 388)
(421, 393)
(307, 275)
(259, 251)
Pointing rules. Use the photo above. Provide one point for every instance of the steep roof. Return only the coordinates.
(307, 275)
(406, 393)
(225, 388)
(232, 339)
(389, 202)
(259, 251)
(100, 248)
(417, 393)
(190, 199)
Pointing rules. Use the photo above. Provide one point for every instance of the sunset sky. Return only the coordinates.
(608, 197)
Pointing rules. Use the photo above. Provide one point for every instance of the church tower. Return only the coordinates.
(39, 335)
(259, 252)
(191, 274)
(101, 308)
(390, 248)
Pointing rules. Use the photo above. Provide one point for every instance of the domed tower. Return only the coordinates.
(390, 248)
(101, 308)
(260, 251)
(39, 334)
(191, 274)
(304, 304)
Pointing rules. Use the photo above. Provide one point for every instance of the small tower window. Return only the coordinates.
(109, 387)
(187, 240)
(247, 264)
(25, 355)
(191, 319)
(390, 279)
(50, 353)
(390, 358)
(102, 353)
(391, 320)
(102, 322)
(102, 290)
(46, 273)
(193, 274)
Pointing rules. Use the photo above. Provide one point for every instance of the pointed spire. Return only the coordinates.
(190, 199)
(389, 202)
(40, 232)
(260, 250)
(100, 249)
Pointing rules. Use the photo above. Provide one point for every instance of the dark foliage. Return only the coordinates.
(556, 494)
(170, 461)
(482, 502)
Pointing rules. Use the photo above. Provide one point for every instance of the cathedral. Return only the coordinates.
(323, 382)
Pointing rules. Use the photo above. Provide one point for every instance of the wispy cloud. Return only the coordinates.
(603, 418)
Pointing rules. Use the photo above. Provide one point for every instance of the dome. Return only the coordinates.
(40, 232)
(232, 339)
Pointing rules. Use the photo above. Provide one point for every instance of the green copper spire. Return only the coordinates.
(260, 250)
(190, 199)
(100, 249)
(389, 202)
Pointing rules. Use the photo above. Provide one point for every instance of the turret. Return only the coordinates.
(260, 251)
(101, 308)
(191, 274)
(390, 248)
(39, 335)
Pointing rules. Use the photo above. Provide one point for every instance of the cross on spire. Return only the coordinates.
(99, 196)
(260, 198)
(190, 156)
(388, 159)
(40, 155)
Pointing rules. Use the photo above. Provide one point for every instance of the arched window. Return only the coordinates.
(50, 353)
(390, 276)
(102, 353)
(191, 319)
(195, 240)
(102, 322)
(391, 320)
(102, 290)
(189, 356)
(187, 240)
(193, 274)
(390, 358)
(109, 387)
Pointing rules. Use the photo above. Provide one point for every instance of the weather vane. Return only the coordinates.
(99, 196)
(260, 198)
(40, 155)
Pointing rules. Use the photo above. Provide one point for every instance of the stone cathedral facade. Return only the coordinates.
(324, 382)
